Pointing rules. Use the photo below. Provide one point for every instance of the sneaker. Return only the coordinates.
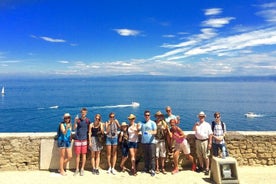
(97, 171)
(76, 172)
(109, 170)
(113, 171)
(206, 172)
(194, 167)
(152, 173)
(82, 172)
(93, 171)
(199, 169)
(175, 171)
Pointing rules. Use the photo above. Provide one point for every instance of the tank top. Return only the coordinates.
(95, 131)
(67, 136)
(132, 136)
(113, 130)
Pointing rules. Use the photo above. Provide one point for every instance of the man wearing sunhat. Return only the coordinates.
(203, 136)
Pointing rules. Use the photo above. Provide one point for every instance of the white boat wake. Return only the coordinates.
(133, 104)
(253, 115)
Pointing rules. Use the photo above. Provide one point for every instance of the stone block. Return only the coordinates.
(49, 155)
(224, 170)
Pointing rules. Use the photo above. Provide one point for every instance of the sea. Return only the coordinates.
(38, 104)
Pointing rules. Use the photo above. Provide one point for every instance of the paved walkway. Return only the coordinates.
(247, 175)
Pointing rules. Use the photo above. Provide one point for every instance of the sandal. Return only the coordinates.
(123, 169)
(157, 171)
(133, 171)
(163, 171)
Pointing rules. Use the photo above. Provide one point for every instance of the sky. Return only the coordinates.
(137, 37)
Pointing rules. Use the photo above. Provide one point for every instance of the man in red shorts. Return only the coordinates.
(80, 143)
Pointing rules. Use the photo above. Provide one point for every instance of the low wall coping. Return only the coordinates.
(52, 134)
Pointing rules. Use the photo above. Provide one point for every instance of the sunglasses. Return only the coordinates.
(67, 118)
(147, 114)
(218, 117)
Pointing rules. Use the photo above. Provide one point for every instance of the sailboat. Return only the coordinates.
(3, 91)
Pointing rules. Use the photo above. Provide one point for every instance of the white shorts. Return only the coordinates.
(184, 146)
(160, 149)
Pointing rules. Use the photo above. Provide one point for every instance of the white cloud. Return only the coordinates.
(212, 11)
(48, 39)
(127, 32)
(207, 33)
(268, 12)
(63, 62)
(217, 22)
(168, 36)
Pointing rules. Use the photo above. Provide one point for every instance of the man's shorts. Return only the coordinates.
(202, 148)
(80, 146)
(111, 141)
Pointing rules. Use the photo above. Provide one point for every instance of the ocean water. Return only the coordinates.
(37, 105)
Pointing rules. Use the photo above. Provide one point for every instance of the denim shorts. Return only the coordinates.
(125, 150)
(111, 141)
(64, 144)
(133, 145)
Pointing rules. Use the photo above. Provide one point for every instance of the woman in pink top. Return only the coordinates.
(181, 144)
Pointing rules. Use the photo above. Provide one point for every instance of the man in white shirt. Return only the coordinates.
(203, 136)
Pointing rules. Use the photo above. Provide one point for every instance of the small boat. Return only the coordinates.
(252, 115)
(135, 104)
(53, 107)
(3, 91)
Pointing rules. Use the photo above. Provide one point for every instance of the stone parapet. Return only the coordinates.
(34, 151)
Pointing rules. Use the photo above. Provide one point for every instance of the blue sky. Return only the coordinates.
(123, 37)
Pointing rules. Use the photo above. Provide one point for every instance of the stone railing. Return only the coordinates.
(34, 151)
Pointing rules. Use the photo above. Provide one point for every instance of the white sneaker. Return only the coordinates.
(113, 171)
(109, 170)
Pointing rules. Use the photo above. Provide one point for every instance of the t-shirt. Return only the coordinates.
(82, 129)
(218, 131)
(168, 118)
(148, 138)
(203, 130)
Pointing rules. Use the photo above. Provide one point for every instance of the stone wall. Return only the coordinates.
(34, 151)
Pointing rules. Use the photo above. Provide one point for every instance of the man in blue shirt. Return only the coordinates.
(149, 129)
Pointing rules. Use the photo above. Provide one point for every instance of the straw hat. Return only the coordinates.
(201, 114)
(124, 124)
(158, 113)
(131, 116)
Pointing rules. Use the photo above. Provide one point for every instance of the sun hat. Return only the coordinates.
(124, 124)
(131, 116)
(66, 115)
(201, 114)
(158, 113)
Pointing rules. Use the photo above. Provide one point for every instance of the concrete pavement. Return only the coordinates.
(247, 175)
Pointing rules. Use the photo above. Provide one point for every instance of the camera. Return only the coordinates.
(113, 133)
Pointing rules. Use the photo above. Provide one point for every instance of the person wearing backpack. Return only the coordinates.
(64, 142)
(111, 126)
(81, 126)
(219, 130)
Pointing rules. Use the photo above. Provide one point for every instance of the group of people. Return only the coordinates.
(156, 136)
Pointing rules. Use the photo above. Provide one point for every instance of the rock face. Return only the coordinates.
(34, 151)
